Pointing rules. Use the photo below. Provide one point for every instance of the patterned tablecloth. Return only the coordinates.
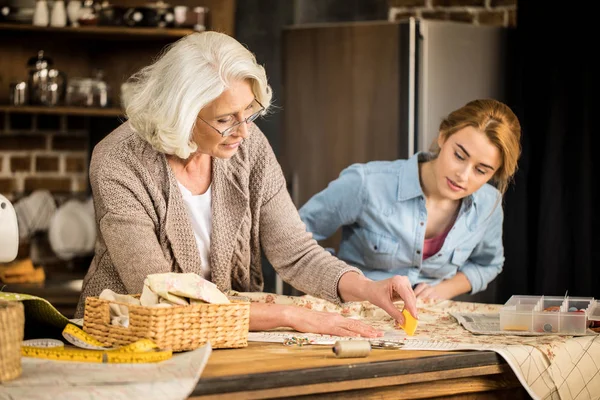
(549, 367)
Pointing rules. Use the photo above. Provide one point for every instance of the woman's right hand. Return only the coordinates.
(265, 316)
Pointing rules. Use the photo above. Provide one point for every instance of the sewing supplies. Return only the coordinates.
(386, 344)
(361, 348)
(296, 341)
(91, 350)
(547, 315)
(177, 328)
(351, 348)
(410, 323)
(48, 343)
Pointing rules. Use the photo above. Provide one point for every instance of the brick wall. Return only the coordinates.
(477, 12)
(43, 152)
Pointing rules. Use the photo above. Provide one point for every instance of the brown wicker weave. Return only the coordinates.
(176, 328)
(12, 325)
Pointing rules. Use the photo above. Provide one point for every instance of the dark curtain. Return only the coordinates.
(551, 227)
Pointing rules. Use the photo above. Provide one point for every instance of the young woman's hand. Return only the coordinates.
(444, 290)
(356, 287)
(425, 291)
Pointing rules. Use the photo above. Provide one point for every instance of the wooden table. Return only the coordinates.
(270, 370)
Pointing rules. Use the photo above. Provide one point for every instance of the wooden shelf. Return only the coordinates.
(102, 31)
(91, 112)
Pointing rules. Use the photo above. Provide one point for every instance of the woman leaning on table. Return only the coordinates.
(435, 218)
(190, 184)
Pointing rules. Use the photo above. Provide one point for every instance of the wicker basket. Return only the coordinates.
(12, 325)
(176, 328)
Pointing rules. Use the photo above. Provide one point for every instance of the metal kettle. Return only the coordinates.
(46, 85)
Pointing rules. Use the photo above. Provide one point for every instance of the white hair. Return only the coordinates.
(163, 100)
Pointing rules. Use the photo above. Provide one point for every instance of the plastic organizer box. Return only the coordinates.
(548, 314)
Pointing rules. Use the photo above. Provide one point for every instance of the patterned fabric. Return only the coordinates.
(183, 289)
(549, 367)
(144, 228)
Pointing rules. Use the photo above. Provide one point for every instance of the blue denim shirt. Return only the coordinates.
(381, 208)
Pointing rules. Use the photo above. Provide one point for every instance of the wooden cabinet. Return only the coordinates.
(118, 51)
(65, 135)
(341, 102)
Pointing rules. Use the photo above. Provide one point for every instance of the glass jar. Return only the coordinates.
(87, 92)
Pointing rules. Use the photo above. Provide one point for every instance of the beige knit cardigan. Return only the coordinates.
(143, 225)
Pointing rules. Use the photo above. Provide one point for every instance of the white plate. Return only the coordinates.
(70, 233)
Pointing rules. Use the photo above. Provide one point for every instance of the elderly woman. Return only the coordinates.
(190, 184)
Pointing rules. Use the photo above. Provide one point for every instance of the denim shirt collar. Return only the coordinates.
(409, 183)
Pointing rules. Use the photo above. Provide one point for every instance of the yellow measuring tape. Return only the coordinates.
(91, 350)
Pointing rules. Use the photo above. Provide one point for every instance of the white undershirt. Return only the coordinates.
(199, 209)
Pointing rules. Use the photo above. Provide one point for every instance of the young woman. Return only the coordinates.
(435, 218)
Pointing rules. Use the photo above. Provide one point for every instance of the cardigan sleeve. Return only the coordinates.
(290, 248)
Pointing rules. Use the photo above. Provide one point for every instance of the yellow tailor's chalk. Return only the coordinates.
(410, 323)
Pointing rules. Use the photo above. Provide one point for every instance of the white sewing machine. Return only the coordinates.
(9, 231)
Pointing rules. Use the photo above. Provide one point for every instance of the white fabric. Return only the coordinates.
(164, 290)
(199, 208)
(179, 288)
(119, 314)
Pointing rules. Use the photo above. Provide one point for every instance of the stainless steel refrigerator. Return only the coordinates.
(452, 63)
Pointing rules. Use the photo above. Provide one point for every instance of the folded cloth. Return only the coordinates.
(177, 288)
(119, 313)
(165, 290)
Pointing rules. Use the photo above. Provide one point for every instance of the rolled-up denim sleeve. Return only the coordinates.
(337, 205)
(487, 259)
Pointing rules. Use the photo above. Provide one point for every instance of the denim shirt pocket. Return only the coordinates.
(460, 256)
(380, 251)
(443, 267)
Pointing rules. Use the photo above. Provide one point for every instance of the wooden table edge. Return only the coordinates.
(413, 368)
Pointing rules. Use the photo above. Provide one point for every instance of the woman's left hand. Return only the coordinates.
(425, 291)
(356, 287)
(445, 290)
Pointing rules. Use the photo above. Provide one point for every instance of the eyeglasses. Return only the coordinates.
(233, 128)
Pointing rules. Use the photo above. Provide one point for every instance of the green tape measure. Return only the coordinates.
(88, 349)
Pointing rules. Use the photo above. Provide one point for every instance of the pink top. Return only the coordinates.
(433, 245)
